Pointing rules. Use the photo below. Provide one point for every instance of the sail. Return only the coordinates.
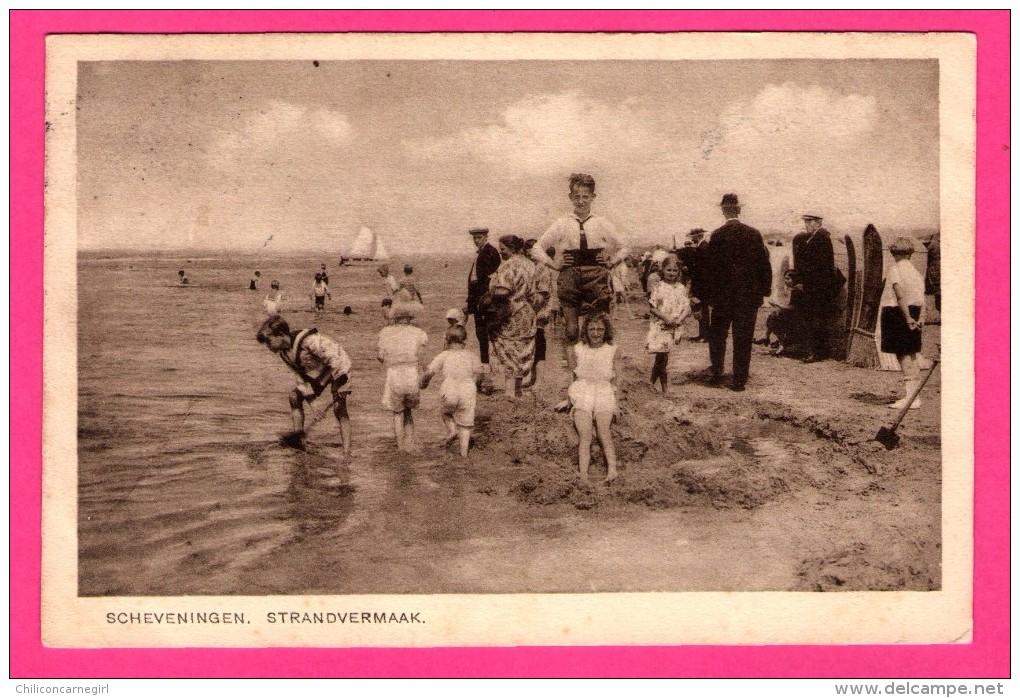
(367, 247)
(363, 246)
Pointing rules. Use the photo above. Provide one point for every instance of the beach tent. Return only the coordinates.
(367, 247)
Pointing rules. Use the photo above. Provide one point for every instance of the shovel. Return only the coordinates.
(887, 436)
(296, 439)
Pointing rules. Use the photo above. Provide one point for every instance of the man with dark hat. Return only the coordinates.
(692, 254)
(816, 268)
(739, 277)
(485, 265)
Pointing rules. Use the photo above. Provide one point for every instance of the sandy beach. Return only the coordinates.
(184, 490)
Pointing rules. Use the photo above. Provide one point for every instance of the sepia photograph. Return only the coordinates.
(549, 339)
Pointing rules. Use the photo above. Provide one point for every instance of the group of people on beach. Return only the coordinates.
(517, 288)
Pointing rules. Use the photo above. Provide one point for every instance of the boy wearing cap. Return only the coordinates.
(737, 265)
(318, 362)
(816, 268)
(400, 350)
(903, 317)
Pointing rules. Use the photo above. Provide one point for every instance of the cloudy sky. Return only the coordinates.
(226, 154)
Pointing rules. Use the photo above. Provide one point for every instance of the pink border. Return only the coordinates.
(987, 656)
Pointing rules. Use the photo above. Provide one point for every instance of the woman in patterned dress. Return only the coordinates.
(513, 288)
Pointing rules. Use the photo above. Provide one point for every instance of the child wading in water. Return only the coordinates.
(462, 373)
(400, 346)
(670, 306)
(592, 396)
(320, 292)
(273, 302)
(902, 317)
(319, 362)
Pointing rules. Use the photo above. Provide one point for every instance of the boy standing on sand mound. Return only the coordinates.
(319, 362)
(587, 248)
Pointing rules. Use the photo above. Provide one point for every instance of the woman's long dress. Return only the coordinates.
(514, 343)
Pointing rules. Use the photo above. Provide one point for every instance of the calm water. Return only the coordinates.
(182, 484)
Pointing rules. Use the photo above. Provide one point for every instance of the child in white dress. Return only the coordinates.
(462, 372)
(400, 346)
(670, 306)
(592, 395)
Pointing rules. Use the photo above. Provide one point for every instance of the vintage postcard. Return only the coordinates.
(393, 340)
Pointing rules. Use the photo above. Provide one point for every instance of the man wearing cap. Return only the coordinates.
(739, 277)
(587, 247)
(692, 255)
(816, 268)
(485, 265)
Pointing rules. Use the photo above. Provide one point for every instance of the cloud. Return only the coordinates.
(280, 125)
(792, 147)
(786, 114)
(543, 133)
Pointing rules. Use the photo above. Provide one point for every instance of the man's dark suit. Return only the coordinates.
(738, 276)
(485, 265)
(816, 272)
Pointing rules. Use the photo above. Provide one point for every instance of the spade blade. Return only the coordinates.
(888, 438)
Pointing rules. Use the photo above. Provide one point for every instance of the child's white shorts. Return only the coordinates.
(458, 401)
(401, 390)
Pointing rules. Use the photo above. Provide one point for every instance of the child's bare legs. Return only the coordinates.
(398, 429)
(583, 424)
(297, 411)
(451, 428)
(464, 433)
(344, 419)
(603, 420)
(571, 331)
(659, 369)
(911, 373)
(408, 426)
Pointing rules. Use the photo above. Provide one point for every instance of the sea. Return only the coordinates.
(182, 481)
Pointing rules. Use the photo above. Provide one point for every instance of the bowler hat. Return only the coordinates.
(479, 231)
(729, 200)
(810, 217)
(696, 231)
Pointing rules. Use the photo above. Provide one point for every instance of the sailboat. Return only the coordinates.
(367, 247)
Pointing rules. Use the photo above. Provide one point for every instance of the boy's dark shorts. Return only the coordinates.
(897, 337)
(585, 288)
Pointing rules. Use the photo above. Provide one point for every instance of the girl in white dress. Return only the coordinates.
(670, 306)
(593, 392)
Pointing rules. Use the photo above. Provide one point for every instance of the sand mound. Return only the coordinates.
(719, 454)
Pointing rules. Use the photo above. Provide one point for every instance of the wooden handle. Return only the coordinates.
(913, 396)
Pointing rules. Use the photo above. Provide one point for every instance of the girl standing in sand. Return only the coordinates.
(670, 306)
(592, 396)
(902, 317)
